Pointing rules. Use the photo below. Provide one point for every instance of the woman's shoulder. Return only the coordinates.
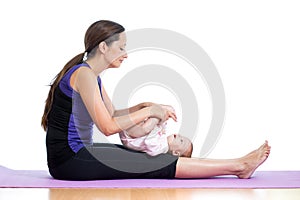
(85, 77)
(81, 75)
(81, 67)
(85, 72)
(73, 70)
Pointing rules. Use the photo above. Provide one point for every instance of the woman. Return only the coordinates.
(77, 99)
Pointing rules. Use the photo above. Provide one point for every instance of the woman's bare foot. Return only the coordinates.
(253, 160)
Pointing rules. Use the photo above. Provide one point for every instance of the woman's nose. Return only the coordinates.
(125, 55)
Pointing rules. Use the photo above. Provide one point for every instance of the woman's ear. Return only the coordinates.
(102, 47)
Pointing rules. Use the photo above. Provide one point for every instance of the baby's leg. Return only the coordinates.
(143, 128)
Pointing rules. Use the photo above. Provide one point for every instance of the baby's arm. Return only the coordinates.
(143, 128)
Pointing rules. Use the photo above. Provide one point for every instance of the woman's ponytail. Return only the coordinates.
(74, 61)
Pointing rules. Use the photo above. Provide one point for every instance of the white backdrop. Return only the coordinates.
(254, 45)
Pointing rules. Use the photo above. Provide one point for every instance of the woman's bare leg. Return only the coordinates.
(204, 168)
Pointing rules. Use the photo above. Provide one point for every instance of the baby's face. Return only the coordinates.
(178, 145)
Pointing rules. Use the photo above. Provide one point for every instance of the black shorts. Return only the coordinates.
(111, 161)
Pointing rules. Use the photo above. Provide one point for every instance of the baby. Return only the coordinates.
(154, 139)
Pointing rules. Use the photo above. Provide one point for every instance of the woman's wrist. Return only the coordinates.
(156, 111)
(147, 104)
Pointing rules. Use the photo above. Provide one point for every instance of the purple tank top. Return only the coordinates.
(80, 127)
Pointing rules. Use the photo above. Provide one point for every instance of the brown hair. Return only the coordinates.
(103, 30)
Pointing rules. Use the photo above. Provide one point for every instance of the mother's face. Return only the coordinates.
(116, 51)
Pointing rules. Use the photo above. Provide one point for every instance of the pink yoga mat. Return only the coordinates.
(41, 179)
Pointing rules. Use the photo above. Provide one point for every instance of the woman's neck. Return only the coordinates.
(97, 64)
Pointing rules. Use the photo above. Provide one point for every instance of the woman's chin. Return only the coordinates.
(114, 65)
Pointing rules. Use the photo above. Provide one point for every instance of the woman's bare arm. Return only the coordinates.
(86, 84)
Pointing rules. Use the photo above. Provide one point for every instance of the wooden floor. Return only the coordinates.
(157, 194)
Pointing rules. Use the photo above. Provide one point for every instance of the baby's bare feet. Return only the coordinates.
(253, 160)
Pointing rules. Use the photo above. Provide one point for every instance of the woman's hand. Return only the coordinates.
(168, 107)
(162, 112)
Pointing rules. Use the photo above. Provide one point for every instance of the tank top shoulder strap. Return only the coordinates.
(100, 88)
(64, 84)
(70, 72)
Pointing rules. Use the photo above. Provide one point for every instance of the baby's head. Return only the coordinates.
(180, 146)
